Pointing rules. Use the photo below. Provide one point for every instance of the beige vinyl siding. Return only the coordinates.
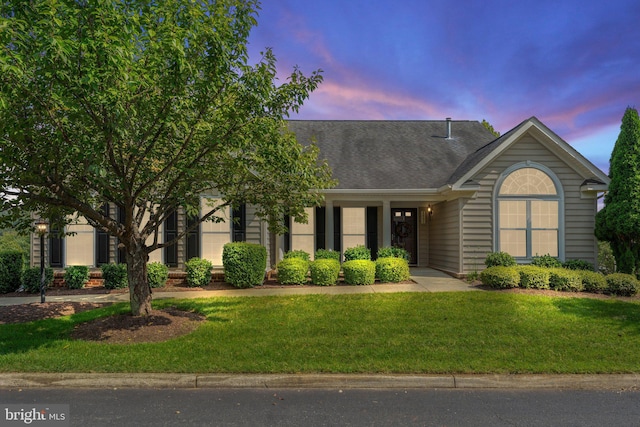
(444, 237)
(254, 230)
(113, 249)
(423, 237)
(477, 227)
(158, 254)
(579, 212)
(36, 251)
(255, 227)
(579, 228)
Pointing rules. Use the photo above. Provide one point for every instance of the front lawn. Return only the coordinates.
(466, 332)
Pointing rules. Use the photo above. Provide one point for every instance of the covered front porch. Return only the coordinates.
(370, 219)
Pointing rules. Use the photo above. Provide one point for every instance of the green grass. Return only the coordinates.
(475, 332)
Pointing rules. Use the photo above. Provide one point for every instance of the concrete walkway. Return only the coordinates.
(426, 280)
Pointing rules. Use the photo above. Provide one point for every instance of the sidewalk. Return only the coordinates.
(426, 280)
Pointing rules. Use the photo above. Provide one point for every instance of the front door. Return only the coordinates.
(404, 233)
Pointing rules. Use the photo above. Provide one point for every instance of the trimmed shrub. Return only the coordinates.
(157, 274)
(500, 277)
(577, 264)
(391, 252)
(606, 260)
(293, 271)
(533, 277)
(12, 241)
(327, 254)
(114, 276)
(502, 259)
(31, 278)
(245, 264)
(593, 282)
(561, 279)
(198, 272)
(76, 276)
(325, 272)
(621, 284)
(358, 252)
(298, 254)
(359, 272)
(11, 265)
(392, 270)
(546, 261)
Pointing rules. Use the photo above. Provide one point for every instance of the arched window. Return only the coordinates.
(528, 204)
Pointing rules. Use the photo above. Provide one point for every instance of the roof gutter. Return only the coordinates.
(446, 192)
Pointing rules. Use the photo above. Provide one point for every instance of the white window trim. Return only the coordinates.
(559, 197)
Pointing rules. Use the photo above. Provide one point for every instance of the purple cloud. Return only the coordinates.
(572, 64)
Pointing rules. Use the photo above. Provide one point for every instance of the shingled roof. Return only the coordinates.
(392, 154)
(476, 156)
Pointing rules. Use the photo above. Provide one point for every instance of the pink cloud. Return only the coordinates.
(312, 41)
(341, 100)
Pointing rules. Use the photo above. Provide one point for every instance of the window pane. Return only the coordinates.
(514, 242)
(513, 214)
(544, 242)
(528, 181)
(544, 214)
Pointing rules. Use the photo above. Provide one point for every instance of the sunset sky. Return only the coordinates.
(573, 64)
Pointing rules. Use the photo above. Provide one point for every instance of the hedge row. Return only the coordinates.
(494, 259)
(244, 266)
(560, 279)
(294, 269)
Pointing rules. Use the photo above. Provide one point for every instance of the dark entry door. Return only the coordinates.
(404, 233)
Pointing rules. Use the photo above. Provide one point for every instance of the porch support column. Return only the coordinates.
(386, 223)
(328, 225)
(280, 245)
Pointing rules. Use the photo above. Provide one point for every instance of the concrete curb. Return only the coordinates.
(319, 381)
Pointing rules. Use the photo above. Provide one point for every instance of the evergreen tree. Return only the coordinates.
(619, 221)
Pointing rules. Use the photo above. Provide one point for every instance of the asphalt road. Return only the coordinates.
(333, 407)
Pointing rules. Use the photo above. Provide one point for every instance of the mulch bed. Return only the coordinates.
(158, 326)
(35, 311)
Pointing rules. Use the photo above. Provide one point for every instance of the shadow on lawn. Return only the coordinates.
(618, 314)
(18, 338)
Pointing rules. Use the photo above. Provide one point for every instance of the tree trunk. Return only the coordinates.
(139, 289)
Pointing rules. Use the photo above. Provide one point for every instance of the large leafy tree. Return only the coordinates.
(619, 221)
(146, 105)
(490, 128)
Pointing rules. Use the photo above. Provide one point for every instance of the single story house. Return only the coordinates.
(447, 191)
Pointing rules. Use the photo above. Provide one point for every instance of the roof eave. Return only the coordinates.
(444, 193)
(524, 127)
